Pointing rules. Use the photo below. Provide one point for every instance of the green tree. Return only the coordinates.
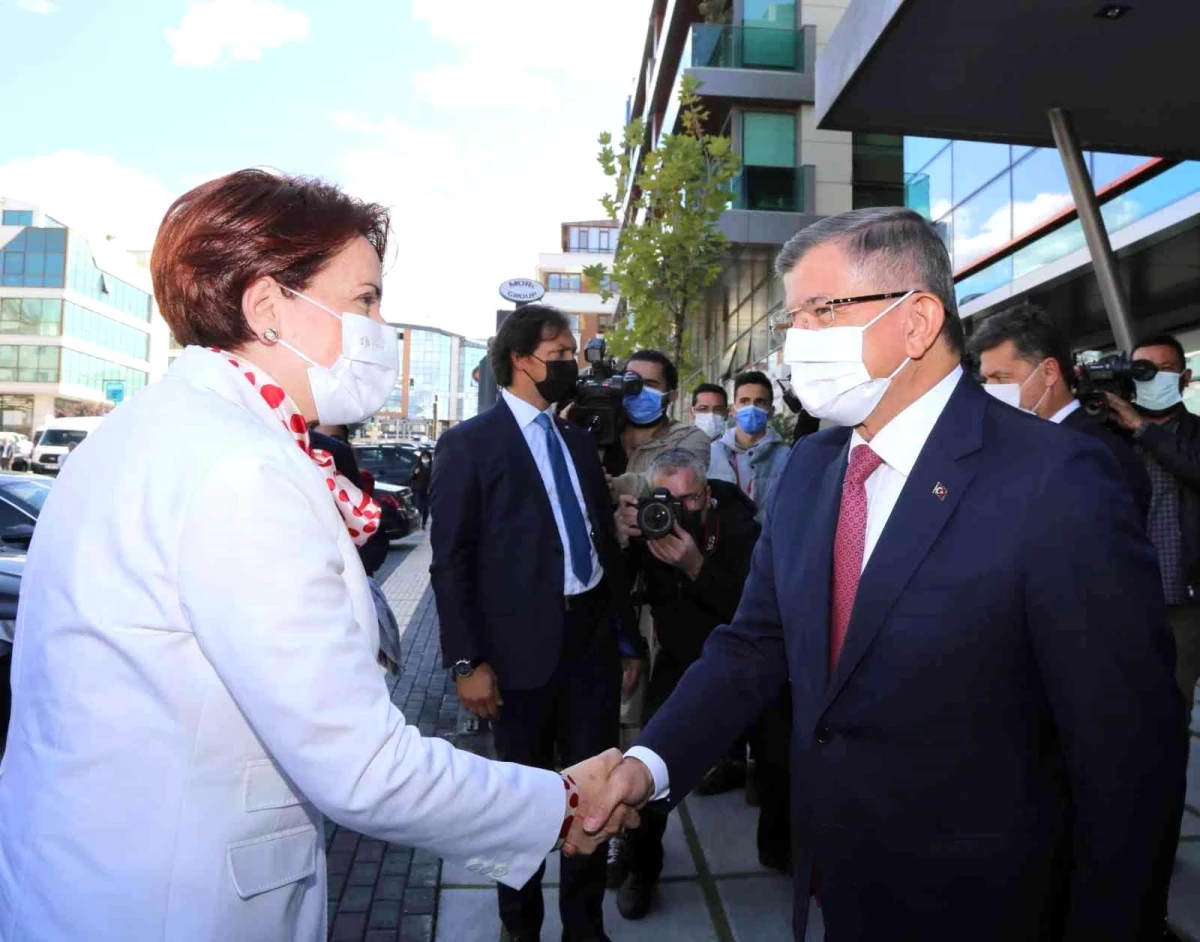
(671, 249)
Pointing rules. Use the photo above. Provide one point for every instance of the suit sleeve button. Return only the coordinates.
(824, 736)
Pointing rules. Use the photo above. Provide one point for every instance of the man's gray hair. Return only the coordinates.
(892, 248)
(674, 460)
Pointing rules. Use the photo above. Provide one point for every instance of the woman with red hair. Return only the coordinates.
(195, 683)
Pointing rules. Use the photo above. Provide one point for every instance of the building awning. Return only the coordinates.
(990, 71)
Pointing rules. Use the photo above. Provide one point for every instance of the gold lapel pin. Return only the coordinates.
(939, 491)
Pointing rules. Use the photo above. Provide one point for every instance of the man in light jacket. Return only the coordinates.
(751, 454)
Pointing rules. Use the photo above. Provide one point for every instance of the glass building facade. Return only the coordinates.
(429, 371)
(470, 352)
(983, 196)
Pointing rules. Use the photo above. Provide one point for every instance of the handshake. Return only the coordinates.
(611, 790)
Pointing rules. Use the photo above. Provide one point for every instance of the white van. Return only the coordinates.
(52, 439)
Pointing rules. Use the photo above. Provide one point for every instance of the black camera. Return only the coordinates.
(1115, 373)
(658, 514)
(599, 392)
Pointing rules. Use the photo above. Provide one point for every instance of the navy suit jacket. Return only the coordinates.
(1001, 751)
(498, 559)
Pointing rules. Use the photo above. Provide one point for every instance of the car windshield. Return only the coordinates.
(32, 493)
(62, 437)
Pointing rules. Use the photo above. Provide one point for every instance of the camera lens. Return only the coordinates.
(655, 520)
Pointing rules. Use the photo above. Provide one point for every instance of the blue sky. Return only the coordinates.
(475, 120)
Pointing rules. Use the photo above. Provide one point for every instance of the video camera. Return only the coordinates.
(658, 513)
(1116, 373)
(599, 392)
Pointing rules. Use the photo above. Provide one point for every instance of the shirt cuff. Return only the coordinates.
(658, 770)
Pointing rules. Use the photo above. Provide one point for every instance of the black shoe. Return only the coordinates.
(615, 873)
(635, 896)
(723, 777)
(590, 937)
(753, 795)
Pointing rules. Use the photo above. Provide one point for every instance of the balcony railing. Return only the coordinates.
(773, 189)
(747, 47)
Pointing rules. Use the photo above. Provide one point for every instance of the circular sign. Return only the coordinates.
(522, 290)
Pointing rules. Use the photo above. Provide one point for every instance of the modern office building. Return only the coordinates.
(76, 316)
(756, 67)
(437, 387)
(985, 159)
(561, 273)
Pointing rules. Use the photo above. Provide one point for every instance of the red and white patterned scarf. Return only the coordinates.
(360, 513)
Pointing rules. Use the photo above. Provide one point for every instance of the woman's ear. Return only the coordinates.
(261, 306)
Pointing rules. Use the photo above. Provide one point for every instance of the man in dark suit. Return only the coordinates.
(988, 742)
(1025, 360)
(531, 594)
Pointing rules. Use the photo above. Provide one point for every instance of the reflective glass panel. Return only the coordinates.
(918, 151)
(1108, 167)
(983, 224)
(769, 139)
(1040, 190)
(976, 163)
(940, 184)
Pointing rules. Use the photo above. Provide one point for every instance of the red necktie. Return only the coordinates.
(848, 545)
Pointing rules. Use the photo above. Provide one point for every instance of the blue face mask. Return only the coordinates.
(646, 407)
(752, 419)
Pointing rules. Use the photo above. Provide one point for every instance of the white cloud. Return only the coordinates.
(38, 6)
(239, 29)
(974, 239)
(90, 192)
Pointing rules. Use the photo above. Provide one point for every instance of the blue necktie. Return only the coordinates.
(577, 532)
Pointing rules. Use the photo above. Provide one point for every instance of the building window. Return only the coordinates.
(564, 282)
(16, 414)
(28, 364)
(770, 180)
(17, 217)
(34, 259)
(592, 239)
(93, 328)
(39, 317)
(83, 276)
(82, 369)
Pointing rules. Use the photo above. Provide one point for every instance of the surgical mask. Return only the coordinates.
(646, 407)
(752, 420)
(1160, 393)
(561, 377)
(1010, 393)
(829, 375)
(361, 379)
(711, 424)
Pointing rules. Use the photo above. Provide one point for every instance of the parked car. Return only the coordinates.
(399, 506)
(21, 499)
(12, 565)
(51, 444)
(389, 462)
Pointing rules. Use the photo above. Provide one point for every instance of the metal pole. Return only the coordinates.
(1103, 260)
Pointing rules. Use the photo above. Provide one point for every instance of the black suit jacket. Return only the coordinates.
(498, 561)
(1001, 751)
(1133, 469)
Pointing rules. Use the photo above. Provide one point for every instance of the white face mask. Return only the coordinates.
(1160, 393)
(829, 375)
(361, 379)
(711, 424)
(1010, 393)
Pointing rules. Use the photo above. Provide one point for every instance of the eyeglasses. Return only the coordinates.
(694, 501)
(819, 313)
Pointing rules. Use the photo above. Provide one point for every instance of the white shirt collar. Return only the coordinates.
(525, 413)
(899, 443)
(1065, 411)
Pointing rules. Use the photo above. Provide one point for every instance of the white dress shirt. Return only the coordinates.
(899, 444)
(1065, 411)
(535, 437)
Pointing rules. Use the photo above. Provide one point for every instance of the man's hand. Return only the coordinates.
(614, 807)
(591, 777)
(625, 519)
(631, 673)
(678, 550)
(1126, 415)
(480, 693)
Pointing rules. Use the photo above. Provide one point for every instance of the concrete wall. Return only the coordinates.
(829, 151)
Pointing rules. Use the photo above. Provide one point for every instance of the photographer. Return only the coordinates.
(1169, 439)
(692, 579)
(649, 430)
(1025, 361)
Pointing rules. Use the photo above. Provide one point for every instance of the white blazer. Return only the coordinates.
(195, 685)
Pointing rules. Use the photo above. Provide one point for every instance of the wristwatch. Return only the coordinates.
(464, 668)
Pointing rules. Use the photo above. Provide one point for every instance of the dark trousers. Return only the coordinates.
(1185, 626)
(423, 505)
(577, 713)
(5, 699)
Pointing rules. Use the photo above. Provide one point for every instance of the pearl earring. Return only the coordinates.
(270, 335)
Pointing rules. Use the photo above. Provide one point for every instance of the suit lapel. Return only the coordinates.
(932, 492)
(810, 590)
